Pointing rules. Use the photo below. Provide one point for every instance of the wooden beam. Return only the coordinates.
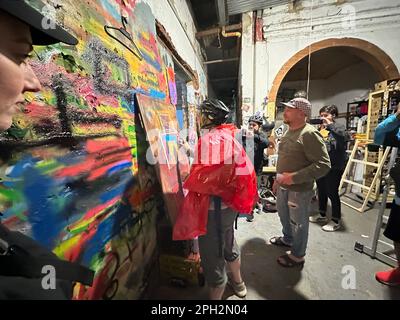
(217, 30)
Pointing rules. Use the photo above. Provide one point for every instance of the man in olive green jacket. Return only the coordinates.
(302, 158)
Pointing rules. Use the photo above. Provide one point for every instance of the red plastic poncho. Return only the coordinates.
(221, 168)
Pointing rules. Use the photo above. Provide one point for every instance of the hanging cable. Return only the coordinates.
(309, 49)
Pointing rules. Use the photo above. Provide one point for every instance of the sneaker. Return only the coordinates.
(390, 277)
(269, 208)
(318, 218)
(250, 218)
(238, 288)
(331, 226)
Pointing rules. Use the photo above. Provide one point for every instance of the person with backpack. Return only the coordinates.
(221, 183)
(22, 260)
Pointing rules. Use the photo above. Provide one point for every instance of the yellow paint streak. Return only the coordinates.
(67, 245)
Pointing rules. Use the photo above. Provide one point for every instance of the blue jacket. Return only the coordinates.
(387, 132)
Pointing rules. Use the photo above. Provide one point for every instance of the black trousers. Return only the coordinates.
(328, 187)
(392, 230)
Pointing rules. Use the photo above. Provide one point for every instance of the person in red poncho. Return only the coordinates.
(221, 183)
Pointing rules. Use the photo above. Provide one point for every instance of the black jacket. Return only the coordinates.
(257, 154)
(336, 145)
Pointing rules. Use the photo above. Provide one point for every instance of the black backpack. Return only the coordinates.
(26, 268)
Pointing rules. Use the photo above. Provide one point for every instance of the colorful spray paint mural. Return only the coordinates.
(71, 172)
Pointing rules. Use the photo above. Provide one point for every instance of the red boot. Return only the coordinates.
(390, 277)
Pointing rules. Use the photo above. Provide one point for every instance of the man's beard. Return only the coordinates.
(286, 121)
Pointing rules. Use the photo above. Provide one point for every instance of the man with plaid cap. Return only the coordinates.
(302, 158)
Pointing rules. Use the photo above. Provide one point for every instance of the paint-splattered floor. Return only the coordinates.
(322, 275)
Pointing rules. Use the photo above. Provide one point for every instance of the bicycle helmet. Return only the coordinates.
(267, 125)
(215, 111)
(257, 118)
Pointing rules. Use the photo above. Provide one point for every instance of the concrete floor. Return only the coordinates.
(321, 277)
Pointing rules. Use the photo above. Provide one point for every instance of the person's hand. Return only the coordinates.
(326, 121)
(247, 133)
(285, 178)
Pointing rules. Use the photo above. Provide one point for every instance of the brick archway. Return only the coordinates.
(370, 53)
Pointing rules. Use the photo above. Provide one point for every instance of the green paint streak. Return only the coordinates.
(17, 132)
(97, 262)
(47, 167)
(11, 195)
(68, 62)
(77, 101)
(117, 74)
(76, 231)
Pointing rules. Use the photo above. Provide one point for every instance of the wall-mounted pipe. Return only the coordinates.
(230, 34)
(217, 30)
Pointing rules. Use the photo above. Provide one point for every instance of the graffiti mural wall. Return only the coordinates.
(71, 171)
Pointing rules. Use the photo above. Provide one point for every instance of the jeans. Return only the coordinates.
(293, 210)
(328, 187)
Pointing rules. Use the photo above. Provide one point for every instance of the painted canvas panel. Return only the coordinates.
(73, 171)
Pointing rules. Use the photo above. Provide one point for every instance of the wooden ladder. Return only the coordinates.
(375, 181)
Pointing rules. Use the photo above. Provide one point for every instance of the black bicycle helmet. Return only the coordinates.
(267, 125)
(215, 110)
(257, 118)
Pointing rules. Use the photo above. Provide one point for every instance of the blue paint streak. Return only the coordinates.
(129, 105)
(157, 94)
(179, 116)
(74, 157)
(19, 169)
(100, 238)
(114, 192)
(111, 10)
(152, 62)
(119, 167)
(46, 221)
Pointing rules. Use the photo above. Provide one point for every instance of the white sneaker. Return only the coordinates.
(331, 226)
(238, 288)
(318, 218)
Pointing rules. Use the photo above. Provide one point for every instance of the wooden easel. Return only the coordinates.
(348, 180)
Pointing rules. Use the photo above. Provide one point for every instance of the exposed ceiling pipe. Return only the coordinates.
(222, 14)
(230, 34)
(217, 30)
(221, 60)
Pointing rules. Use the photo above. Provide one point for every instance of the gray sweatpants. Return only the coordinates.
(213, 264)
